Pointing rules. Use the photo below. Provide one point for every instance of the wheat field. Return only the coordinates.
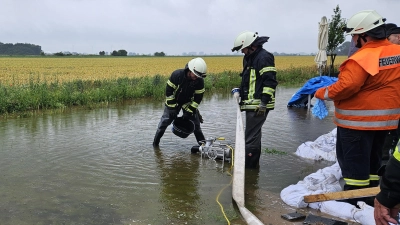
(22, 70)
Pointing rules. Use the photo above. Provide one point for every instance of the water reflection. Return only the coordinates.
(99, 167)
(179, 184)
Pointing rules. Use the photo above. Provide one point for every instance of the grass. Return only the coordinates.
(17, 100)
(274, 152)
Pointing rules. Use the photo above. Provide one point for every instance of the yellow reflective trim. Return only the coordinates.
(252, 84)
(268, 91)
(373, 177)
(200, 91)
(252, 102)
(354, 182)
(396, 154)
(267, 69)
(194, 105)
(171, 84)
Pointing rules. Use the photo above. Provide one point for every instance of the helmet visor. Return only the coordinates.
(237, 48)
(199, 74)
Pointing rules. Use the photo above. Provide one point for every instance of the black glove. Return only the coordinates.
(200, 117)
(173, 113)
(187, 115)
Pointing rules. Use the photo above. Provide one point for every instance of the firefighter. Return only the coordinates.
(257, 90)
(393, 35)
(367, 101)
(185, 89)
(388, 199)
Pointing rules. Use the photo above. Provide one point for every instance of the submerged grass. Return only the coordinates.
(40, 95)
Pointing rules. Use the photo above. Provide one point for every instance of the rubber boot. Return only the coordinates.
(157, 137)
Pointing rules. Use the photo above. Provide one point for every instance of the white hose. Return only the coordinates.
(239, 171)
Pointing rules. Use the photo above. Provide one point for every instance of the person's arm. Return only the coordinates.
(172, 85)
(267, 71)
(387, 200)
(197, 98)
(350, 80)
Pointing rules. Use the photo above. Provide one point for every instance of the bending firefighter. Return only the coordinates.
(257, 90)
(185, 89)
(367, 101)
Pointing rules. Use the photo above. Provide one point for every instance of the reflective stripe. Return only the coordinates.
(252, 102)
(377, 112)
(252, 84)
(200, 91)
(326, 95)
(354, 182)
(267, 69)
(268, 91)
(168, 99)
(371, 124)
(396, 155)
(373, 177)
(194, 105)
(172, 84)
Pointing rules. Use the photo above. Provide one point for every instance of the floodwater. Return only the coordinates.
(99, 167)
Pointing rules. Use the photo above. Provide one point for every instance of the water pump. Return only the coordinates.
(212, 149)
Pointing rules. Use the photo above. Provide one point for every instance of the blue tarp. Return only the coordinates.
(300, 98)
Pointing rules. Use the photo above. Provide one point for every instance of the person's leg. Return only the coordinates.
(376, 157)
(353, 149)
(198, 133)
(165, 121)
(253, 136)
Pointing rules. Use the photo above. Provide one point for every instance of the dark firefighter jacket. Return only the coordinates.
(183, 92)
(389, 195)
(258, 80)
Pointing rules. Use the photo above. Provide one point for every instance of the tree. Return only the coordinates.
(344, 48)
(159, 54)
(335, 34)
(121, 52)
(102, 53)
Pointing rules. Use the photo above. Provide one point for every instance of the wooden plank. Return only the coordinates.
(359, 193)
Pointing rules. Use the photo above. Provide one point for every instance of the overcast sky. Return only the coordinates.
(173, 26)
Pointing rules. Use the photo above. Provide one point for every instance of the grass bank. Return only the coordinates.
(41, 95)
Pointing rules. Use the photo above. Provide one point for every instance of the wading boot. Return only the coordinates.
(157, 137)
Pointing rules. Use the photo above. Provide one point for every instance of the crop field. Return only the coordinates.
(23, 70)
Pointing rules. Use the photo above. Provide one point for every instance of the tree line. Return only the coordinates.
(20, 49)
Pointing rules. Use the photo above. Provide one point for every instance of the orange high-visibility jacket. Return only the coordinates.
(367, 93)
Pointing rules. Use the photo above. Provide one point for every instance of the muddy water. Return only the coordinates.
(99, 167)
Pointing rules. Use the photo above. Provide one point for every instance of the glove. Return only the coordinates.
(319, 110)
(200, 117)
(173, 113)
(261, 109)
(187, 116)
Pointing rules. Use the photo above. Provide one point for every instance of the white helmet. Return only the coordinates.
(364, 21)
(243, 40)
(198, 66)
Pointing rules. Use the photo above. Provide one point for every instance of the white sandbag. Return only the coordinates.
(323, 148)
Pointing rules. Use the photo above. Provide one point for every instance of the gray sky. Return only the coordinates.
(173, 26)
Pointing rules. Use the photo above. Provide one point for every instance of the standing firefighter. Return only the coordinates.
(185, 89)
(257, 90)
(367, 101)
